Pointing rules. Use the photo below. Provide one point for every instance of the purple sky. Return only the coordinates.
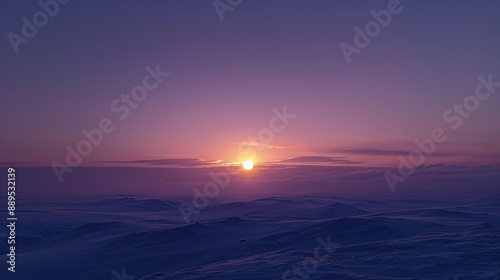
(226, 78)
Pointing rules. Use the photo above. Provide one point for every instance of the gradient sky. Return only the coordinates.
(226, 78)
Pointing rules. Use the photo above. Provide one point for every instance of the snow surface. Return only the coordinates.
(259, 239)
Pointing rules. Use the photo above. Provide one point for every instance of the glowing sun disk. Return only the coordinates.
(247, 164)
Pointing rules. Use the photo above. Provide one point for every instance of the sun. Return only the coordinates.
(247, 164)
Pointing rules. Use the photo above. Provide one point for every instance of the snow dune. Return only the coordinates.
(260, 239)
